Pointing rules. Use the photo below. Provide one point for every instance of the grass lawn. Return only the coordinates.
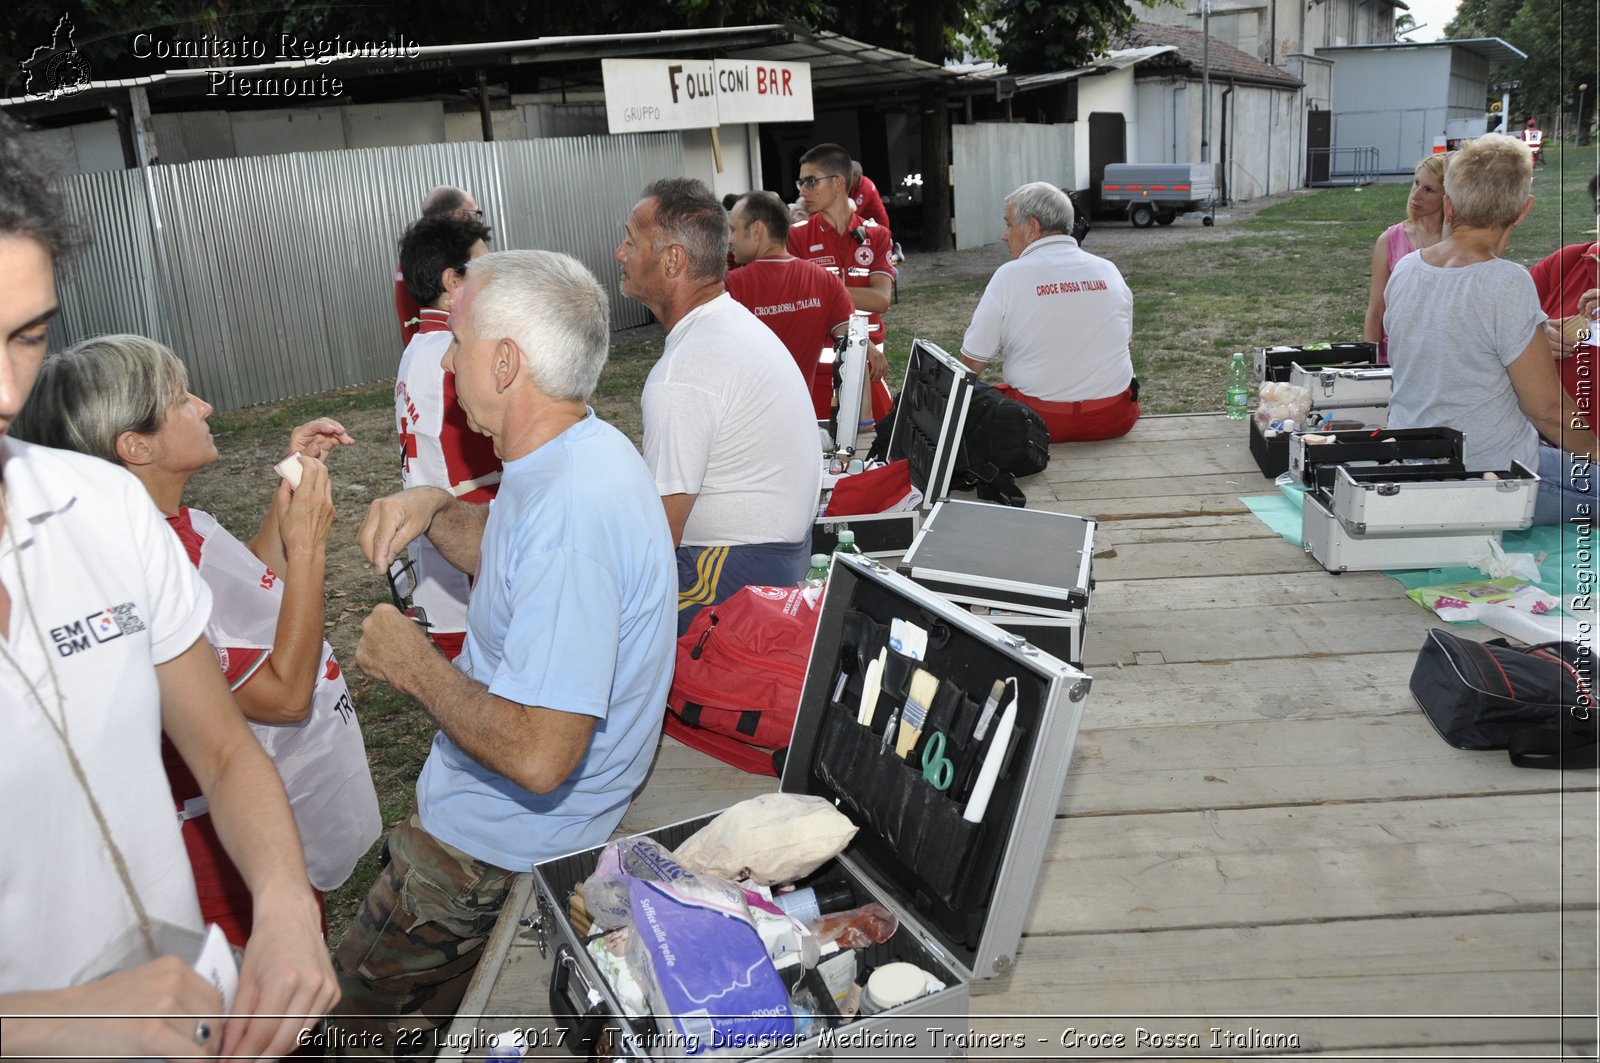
(1295, 273)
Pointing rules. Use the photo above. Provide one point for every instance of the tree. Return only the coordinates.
(1559, 39)
(1040, 36)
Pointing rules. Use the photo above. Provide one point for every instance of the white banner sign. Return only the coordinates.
(650, 95)
(749, 90)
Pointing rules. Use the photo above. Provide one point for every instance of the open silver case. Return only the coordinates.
(962, 891)
(929, 421)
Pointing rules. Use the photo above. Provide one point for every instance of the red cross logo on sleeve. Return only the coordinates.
(408, 444)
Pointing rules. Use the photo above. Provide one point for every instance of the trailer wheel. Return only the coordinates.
(1208, 221)
(1166, 217)
(1141, 215)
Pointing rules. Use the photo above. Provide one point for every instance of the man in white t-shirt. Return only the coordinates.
(1061, 319)
(728, 429)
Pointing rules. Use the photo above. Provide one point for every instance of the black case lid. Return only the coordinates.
(1384, 444)
(1278, 359)
(965, 915)
(930, 418)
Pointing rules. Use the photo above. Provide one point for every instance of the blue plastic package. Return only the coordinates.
(711, 985)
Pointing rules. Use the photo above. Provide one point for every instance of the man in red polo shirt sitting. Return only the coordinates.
(1061, 320)
(803, 303)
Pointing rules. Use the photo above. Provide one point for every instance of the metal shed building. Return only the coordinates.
(1396, 98)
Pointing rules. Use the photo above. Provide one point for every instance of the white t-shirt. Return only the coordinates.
(1452, 333)
(1061, 319)
(102, 591)
(727, 417)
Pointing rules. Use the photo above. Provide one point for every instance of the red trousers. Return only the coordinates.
(1081, 422)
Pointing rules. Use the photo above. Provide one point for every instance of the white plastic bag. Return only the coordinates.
(771, 839)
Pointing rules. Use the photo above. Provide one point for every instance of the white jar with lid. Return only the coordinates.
(894, 984)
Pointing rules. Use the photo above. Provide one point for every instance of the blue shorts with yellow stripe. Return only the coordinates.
(707, 575)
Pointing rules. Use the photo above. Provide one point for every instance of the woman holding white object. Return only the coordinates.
(126, 399)
(88, 873)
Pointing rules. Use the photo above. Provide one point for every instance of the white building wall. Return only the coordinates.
(1162, 105)
(1317, 75)
(279, 132)
(1265, 134)
(393, 125)
(1265, 142)
(1272, 30)
(741, 168)
(991, 159)
(1111, 93)
(467, 126)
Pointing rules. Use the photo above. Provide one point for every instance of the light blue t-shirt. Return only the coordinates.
(574, 609)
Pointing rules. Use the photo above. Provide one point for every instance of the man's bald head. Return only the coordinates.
(449, 200)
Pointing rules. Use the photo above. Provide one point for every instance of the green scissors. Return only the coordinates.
(936, 768)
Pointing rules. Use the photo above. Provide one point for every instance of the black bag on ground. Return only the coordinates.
(1003, 440)
(1535, 703)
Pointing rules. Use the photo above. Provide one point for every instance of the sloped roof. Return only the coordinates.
(1227, 63)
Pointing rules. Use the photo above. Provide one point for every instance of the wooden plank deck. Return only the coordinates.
(1260, 836)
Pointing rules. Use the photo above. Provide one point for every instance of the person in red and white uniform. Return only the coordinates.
(443, 201)
(1061, 320)
(1568, 283)
(838, 238)
(126, 399)
(1533, 136)
(439, 446)
(869, 204)
(800, 301)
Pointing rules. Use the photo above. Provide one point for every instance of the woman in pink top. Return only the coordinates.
(1423, 227)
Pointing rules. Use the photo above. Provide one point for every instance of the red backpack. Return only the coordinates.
(740, 668)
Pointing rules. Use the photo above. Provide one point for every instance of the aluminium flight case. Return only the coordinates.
(961, 891)
(930, 419)
(1275, 363)
(1364, 391)
(1333, 546)
(1370, 446)
(1412, 500)
(1028, 570)
(1370, 518)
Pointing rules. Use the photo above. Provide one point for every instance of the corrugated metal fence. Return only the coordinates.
(272, 276)
(991, 160)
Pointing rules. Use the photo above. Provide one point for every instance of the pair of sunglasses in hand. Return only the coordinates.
(403, 588)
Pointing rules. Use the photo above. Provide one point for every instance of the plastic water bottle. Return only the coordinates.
(1238, 389)
(817, 575)
(847, 543)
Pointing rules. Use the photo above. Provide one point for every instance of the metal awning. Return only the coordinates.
(1491, 48)
(838, 63)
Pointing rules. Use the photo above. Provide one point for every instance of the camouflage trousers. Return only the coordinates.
(406, 961)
